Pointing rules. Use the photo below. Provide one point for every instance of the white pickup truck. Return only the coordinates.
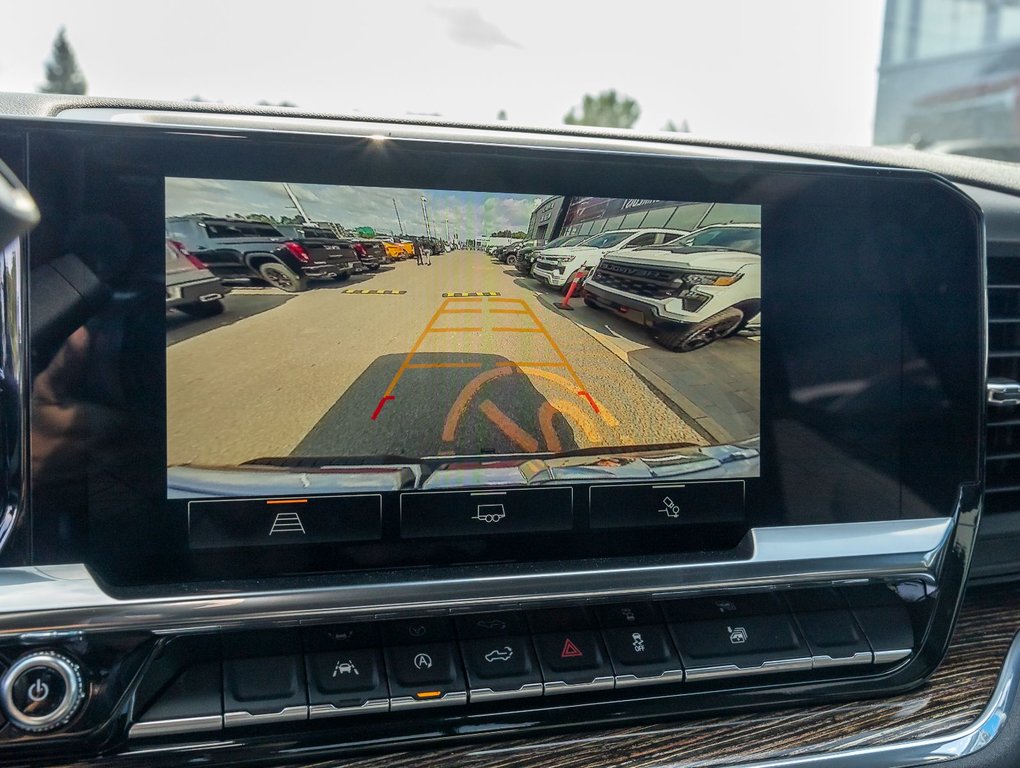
(556, 267)
(703, 287)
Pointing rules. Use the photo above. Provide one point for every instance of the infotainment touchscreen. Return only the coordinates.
(347, 339)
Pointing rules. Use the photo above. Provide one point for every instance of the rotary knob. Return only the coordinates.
(41, 691)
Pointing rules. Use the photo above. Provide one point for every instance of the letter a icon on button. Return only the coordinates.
(570, 651)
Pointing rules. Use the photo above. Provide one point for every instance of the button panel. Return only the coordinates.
(361, 668)
(666, 506)
(232, 523)
(435, 514)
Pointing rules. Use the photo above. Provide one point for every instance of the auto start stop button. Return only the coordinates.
(41, 691)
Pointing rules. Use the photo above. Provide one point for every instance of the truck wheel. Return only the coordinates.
(511, 260)
(591, 303)
(202, 308)
(282, 277)
(341, 278)
(697, 335)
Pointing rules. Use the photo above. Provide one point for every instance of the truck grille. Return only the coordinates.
(639, 281)
(1003, 457)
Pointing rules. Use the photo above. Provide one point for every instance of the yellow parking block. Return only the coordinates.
(472, 294)
(373, 292)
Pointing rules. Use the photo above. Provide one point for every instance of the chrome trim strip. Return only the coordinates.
(487, 694)
(697, 674)
(453, 698)
(178, 725)
(234, 719)
(553, 687)
(669, 676)
(67, 597)
(828, 662)
(889, 657)
(371, 706)
(13, 370)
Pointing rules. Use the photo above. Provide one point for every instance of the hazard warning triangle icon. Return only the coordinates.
(570, 651)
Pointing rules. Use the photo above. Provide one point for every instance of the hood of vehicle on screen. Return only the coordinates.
(691, 257)
(269, 477)
(566, 254)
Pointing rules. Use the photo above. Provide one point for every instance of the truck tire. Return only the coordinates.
(202, 308)
(511, 260)
(281, 276)
(687, 338)
(589, 302)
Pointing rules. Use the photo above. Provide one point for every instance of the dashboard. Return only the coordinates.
(331, 436)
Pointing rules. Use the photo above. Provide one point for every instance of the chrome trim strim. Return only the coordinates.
(68, 597)
(173, 727)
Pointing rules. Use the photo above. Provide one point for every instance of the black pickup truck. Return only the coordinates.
(236, 248)
(371, 253)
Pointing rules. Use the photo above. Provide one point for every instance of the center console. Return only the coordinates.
(339, 434)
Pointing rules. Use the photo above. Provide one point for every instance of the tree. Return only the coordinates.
(62, 72)
(607, 110)
(672, 127)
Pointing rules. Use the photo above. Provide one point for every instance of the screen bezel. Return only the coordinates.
(98, 169)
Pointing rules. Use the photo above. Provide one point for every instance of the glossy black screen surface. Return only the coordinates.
(871, 352)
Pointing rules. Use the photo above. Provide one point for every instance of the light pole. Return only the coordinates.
(399, 225)
(425, 214)
(297, 204)
(447, 230)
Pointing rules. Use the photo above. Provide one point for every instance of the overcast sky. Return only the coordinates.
(786, 70)
(471, 214)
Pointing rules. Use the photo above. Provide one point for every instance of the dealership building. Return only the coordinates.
(950, 71)
(560, 216)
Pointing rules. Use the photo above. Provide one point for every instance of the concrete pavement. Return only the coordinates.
(304, 374)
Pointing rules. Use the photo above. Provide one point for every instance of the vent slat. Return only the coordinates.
(1003, 450)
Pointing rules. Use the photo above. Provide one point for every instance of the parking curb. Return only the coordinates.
(708, 427)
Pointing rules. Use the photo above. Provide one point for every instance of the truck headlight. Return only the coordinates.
(703, 278)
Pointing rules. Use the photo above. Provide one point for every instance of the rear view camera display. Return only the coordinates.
(344, 339)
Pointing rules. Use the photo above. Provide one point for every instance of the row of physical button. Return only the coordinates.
(342, 671)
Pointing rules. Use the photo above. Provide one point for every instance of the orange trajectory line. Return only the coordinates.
(520, 307)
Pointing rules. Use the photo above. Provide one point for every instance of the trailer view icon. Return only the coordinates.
(489, 513)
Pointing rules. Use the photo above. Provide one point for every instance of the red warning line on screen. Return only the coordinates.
(590, 399)
(378, 408)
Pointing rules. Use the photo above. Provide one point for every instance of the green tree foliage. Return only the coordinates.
(62, 72)
(519, 235)
(607, 110)
(672, 127)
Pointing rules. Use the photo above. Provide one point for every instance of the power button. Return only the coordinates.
(41, 691)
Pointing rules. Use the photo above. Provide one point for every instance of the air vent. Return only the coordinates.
(1003, 460)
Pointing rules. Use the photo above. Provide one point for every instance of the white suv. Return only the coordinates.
(703, 287)
(557, 266)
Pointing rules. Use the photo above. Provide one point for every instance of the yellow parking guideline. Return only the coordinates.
(373, 292)
(468, 294)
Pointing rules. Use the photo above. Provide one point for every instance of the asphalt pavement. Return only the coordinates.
(470, 359)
